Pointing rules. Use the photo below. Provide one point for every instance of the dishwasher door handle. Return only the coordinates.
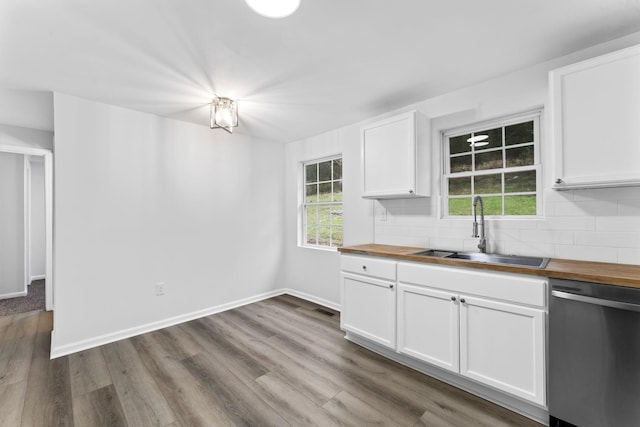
(597, 301)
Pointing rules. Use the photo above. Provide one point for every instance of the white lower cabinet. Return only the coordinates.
(479, 335)
(502, 345)
(369, 308)
(428, 325)
(369, 299)
(488, 327)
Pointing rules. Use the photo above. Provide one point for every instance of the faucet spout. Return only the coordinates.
(483, 241)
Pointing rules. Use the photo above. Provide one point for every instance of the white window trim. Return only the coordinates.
(535, 115)
(302, 240)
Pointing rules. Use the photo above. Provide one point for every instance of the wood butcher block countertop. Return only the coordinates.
(586, 271)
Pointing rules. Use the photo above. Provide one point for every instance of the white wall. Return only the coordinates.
(12, 280)
(598, 225)
(37, 227)
(141, 199)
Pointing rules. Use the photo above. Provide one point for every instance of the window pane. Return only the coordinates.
(324, 235)
(325, 192)
(488, 184)
(459, 144)
(492, 205)
(493, 140)
(521, 156)
(460, 206)
(311, 173)
(311, 235)
(518, 134)
(337, 191)
(336, 214)
(520, 205)
(311, 215)
(490, 160)
(312, 193)
(461, 164)
(324, 171)
(337, 169)
(459, 186)
(336, 236)
(520, 182)
(324, 214)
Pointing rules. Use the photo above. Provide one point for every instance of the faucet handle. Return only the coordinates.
(474, 233)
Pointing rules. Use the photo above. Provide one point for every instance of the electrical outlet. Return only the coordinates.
(159, 289)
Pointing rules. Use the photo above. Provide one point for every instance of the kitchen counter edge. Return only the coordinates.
(586, 271)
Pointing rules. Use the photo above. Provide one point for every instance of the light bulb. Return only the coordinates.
(274, 8)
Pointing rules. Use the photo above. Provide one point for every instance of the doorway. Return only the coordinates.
(33, 267)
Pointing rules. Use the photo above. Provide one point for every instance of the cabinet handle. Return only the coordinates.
(453, 299)
(390, 286)
(364, 267)
(558, 181)
(462, 300)
(410, 191)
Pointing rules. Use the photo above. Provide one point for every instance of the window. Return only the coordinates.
(322, 206)
(498, 161)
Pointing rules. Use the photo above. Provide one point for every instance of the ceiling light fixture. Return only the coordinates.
(274, 8)
(478, 140)
(224, 114)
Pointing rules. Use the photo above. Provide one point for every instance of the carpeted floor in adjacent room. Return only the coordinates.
(34, 300)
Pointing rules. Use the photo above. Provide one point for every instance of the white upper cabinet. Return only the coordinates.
(595, 113)
(395, 157)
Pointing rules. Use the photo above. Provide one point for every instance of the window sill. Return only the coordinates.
(320, 248)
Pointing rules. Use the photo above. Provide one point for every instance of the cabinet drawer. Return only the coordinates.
(503, 286)
(369, 266)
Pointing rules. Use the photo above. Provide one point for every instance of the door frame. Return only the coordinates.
(48, 212)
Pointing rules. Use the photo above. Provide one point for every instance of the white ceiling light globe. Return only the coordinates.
(274, 8)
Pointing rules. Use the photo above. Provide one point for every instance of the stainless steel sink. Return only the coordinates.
(522, 261)
(436, 253)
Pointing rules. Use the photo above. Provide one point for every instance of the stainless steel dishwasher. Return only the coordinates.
(594, 355)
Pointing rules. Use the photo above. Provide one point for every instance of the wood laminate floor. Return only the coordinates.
(279, 362)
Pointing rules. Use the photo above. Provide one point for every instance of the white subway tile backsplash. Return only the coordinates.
(629, 207)
(569, 223)
(587, 253)
(629, 256)
(621, 193)
(588, 208)
(618, 223)
(529, 248)
(447, 243)
(548, 236)
(615, 239)
(591, 225)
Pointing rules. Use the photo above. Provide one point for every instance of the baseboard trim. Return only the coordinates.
(14, 295)
(38, 277)
(64, 350)
(305, 296)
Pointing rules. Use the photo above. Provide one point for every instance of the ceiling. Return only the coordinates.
(332, 63)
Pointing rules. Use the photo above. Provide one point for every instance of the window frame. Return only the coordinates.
(502, 122)
(303, 205)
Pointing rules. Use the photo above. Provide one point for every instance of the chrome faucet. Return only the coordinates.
(483, 242)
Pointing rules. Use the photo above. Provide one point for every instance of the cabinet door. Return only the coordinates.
(369, 308)
(502, 345)
(389, 157)
(428, 325)
(595, 109)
